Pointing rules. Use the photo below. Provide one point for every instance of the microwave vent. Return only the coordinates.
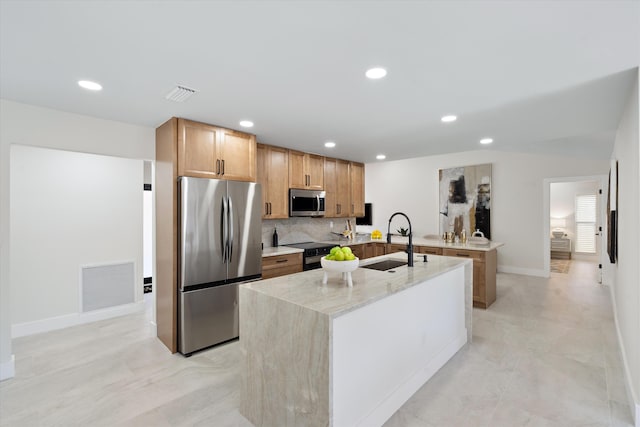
(180, 93)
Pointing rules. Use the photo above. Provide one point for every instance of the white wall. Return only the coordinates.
(29, 125)
(69, 210)
(562, 204)
(517, 215)
(624, 275)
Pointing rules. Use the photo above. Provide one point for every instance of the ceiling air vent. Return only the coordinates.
(180, 93)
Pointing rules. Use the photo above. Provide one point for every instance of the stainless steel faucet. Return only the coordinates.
(410, 245)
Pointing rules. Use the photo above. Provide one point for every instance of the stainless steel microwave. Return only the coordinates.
(306, 202)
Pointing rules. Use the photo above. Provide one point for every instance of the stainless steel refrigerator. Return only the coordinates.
(220, 244)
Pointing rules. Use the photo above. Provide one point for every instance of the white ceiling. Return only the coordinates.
(538, 76)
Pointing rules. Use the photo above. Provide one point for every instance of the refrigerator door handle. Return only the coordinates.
(224, 230)
(230, 222)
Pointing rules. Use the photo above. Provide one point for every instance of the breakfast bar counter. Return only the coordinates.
(333, 355)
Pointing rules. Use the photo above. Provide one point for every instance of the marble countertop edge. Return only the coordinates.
(280, 250)
(335, 299)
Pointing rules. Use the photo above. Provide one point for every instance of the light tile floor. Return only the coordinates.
(544, 354)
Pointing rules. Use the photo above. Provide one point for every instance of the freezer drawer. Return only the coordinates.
(207, 317)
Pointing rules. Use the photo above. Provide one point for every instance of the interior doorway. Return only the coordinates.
(574, 230)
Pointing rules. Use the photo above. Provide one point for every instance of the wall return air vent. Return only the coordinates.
(180, 93)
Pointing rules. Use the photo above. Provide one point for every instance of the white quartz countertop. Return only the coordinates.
(336, 298)
(280, 250)
(421, 241)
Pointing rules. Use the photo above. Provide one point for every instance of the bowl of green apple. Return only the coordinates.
(340, 260)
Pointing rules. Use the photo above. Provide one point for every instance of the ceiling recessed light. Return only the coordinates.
(86, 84)
(486, 141)
(381, 157)
(376, 73)
(449, 119)
(246, 123)
(329, 144)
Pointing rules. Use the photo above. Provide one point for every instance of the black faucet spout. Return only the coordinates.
(410, 245)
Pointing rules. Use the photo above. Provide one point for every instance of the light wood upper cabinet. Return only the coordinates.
(207, 151)
(197, 153)
(273, 172)
(306, 171)
(356, 170)
(337, 188)
(237, 153)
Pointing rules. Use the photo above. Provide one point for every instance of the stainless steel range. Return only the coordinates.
(313, 251)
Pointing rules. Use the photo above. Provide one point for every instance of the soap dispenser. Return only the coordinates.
(274, 242)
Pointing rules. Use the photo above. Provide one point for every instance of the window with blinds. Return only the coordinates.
(586, 223)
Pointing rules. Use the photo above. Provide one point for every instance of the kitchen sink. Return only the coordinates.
(385, 265)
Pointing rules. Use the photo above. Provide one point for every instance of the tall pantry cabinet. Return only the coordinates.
(188, 148)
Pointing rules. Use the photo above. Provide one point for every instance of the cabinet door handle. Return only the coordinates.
(466, 255)
(217, 166)
(266, 208)
(338, 207)
(222, 167)
(353, 209)
(270, 208)
(282, 260)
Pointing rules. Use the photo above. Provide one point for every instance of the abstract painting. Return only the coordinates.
(465, 199)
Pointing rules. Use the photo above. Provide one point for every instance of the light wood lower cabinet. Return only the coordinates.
(484, 268)
(280, 265)
(359, 250)
(374, 249)
(427, 250)
(368, 250)
(396, 247)
(485, 265)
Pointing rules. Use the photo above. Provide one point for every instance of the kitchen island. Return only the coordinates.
(332, 355)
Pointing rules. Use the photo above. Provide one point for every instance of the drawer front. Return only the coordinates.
(560, 244)
(281, 261)
(281, 271)
(396, 247)
(475, 255)
(427, 250)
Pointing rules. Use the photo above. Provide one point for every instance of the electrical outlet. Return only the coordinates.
(330, 224)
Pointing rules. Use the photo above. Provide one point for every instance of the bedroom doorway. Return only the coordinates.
(574, 212)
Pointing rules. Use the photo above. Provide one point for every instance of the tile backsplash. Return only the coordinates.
(302, 229)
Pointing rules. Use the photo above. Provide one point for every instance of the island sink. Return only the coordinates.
(385, 265)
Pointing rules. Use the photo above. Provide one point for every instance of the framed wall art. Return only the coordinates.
(465, 199)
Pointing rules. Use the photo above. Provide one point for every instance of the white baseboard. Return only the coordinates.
(524, 271)
(153, 328)
(8, 369)
(60, 322)
(634, 403)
